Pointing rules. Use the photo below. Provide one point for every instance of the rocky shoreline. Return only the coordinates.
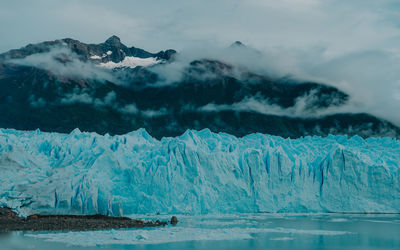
(10, 221)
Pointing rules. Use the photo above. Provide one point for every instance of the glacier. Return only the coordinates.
(199, 172)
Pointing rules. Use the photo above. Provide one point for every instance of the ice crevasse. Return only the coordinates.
(197, 172)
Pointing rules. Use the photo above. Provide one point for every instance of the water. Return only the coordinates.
(244, 231)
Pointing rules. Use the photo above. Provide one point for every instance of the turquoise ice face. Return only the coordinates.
(199, 172)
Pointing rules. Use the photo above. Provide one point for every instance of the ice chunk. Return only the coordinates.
(172, 234)
(198, 172)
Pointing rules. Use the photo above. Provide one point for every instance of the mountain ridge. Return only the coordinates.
(60, 91)
(87, 50)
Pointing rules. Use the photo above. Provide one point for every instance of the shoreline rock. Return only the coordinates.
(10, 221)
(174, 220)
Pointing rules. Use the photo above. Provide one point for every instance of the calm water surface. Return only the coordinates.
(244, 231)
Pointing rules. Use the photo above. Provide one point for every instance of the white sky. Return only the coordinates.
(339, 26)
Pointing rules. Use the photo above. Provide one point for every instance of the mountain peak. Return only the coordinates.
(237, 44)
(113, 40)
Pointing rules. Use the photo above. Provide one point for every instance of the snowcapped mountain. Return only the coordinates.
(112, 50)
(110, 88)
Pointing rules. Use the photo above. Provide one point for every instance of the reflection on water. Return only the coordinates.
(244, 231)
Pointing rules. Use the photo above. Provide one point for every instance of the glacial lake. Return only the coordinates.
(241, 231)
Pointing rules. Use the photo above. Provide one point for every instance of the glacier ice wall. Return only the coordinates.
(198, 172)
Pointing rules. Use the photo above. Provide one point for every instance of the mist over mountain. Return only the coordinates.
(111, 88)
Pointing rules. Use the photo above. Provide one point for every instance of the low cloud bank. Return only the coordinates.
(110, 101)
(370, 77)
(303, 108)
(61, 61)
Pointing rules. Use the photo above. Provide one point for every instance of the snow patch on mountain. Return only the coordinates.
(95, 57)
(131, 62)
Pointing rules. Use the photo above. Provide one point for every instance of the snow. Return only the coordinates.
(199, 172)
(95, 57)
(131, 62)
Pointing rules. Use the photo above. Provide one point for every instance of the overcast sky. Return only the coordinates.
(354, 45)
(340, 26)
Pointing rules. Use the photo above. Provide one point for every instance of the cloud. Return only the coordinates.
(370, 77)
(129, 109)
(304, 107)
(84, 98)
(79, 96)
(110, 101)
(339, 26)
(61, 61)
(154, 113)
